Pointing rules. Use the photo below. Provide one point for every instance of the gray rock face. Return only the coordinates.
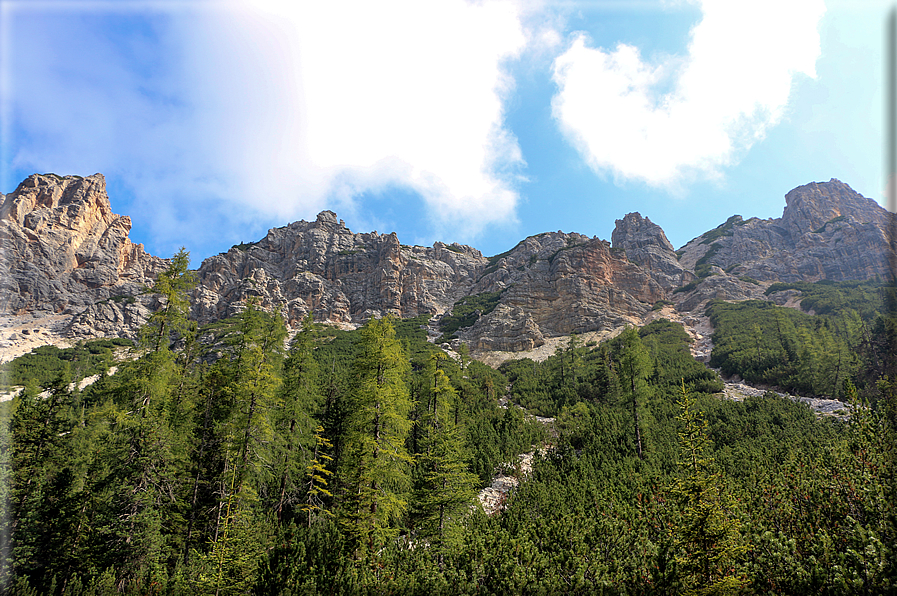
(63, 250)
(721, 287)
(507, 329)
(113, 318)
(68, 253)
(556, 284)
(827, 231)
(552, 284)
(810, 207)
(645, 244)
(324, 268)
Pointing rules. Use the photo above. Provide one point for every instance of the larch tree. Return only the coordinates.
(150, 446)
(376, 462)
(446, 487)
(634, 369)
(317, 474)
(295, 440)
(253, 392)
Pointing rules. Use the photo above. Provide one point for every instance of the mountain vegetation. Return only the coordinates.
(850, 336)
(466, 312)
(248, 442)
(45, 364)
(219, 461)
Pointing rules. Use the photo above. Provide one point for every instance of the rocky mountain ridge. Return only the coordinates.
(556, 284)
(827, 231)
(66, 254)
(340, 276)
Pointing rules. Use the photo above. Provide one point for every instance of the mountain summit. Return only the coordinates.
(64, 249)
(827, 231)
(66, 253)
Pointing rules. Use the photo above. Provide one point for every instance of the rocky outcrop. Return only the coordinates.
(64, 251)
(121, 316)
(340, 276)
(552, 284)
(811, 207)
(556, 284)
(644, 243)
(720, 286)
(505, 329)
(827, 231)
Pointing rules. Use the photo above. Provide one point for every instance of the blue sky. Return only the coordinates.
(477, 122)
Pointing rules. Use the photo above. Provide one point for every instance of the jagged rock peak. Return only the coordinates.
(84, 201)
(811, 206)
(555, 284)
(328, 218)
(646, 245)
(340, 276)
(65, 250)
(827, 231)
(635, 231)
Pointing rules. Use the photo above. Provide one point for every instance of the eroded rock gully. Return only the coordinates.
(509, 475)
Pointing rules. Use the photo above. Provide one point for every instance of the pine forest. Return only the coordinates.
(231, 459)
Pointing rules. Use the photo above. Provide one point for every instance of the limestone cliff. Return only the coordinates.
(557, 284)
(551, 284)
(827, 231)
(343, 277)
(645, 244)
(64, 250)
(66, 253)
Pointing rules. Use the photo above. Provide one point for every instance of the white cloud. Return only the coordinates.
(411, 93)
(283, 106)
(731, 88)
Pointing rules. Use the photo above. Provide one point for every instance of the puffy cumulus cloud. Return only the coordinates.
(687, 117)
(283, 106)
(410, 93)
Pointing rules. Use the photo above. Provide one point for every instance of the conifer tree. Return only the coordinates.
(173, 285)
(316, 475)
(230, 565)
(42, 492)
(635, 368)
(151, 471)
(446, 486)
(464, 354)
(707, 534)
(253, 390)
(376, 461)
(295, 427)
